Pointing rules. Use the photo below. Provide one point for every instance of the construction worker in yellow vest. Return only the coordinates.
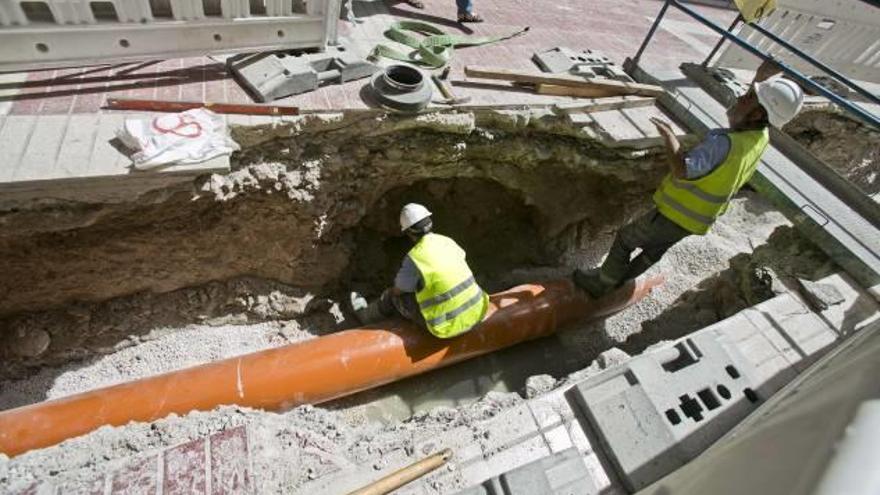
(701, 182)
(434, 287)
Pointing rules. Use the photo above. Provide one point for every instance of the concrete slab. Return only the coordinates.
(43, 149)
(657, 411)
(662, 408)
(14, 136)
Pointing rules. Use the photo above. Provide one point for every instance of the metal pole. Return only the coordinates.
(650, 33)
(721, 41)
(797, 76)
(828, 70)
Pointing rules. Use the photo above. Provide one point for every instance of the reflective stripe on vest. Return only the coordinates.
(695, 204)
(450, 301)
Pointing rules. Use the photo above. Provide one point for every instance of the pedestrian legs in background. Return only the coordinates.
(466, 11)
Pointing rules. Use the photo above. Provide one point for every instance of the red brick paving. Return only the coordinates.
(615, 27)
(91, 487)
(138, 478)
(185, 469)
(229, 462)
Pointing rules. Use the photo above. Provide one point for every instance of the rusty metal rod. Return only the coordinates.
(182, 106)
(313, 371)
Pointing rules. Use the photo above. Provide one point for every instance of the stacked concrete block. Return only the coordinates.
(661, 409)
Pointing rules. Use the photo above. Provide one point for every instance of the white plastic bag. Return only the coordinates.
(176, 138)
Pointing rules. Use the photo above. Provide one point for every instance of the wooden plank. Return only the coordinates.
(620, 88)
(601, 104)
(556, 90)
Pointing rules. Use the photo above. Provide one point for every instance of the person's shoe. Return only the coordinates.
(469, 17)
(591, 283)
(416, 4)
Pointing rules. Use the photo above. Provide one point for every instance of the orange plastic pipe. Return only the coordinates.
(313, 371)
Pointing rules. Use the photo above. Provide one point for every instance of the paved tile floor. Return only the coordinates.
(615, 27)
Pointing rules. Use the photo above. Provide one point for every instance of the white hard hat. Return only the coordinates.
(412, 214)
(781, 98)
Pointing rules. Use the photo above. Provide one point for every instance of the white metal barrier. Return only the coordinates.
(52, 33)
(844, 34)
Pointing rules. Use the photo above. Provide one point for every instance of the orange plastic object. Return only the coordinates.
(313, 371)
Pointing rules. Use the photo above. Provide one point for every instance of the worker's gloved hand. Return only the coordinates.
(365, 312)
(357, 302)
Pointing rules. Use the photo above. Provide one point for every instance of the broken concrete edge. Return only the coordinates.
(252, 131)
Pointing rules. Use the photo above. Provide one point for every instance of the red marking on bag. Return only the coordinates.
(183, 123)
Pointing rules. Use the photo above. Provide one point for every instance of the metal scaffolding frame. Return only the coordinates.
(798, 76)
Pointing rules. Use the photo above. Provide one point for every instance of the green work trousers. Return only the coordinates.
(653, 233)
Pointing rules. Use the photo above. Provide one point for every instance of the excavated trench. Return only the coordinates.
(499, 232)
(99, 293)
(309, 211)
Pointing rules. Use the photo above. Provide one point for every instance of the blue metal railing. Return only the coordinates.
(805, 81)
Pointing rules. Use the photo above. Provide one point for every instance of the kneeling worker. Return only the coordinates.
(433, 288)
(701, 183)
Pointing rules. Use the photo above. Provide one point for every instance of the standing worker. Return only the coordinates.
(434, 287)
(700, 183)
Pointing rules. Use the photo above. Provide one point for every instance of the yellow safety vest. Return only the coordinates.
(451, 301)
(695, 204)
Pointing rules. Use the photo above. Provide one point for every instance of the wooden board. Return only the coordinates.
(586, 92)
(617, 88)
(602, 104)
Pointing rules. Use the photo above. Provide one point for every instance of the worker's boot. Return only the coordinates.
(366, 313)
(592, 282)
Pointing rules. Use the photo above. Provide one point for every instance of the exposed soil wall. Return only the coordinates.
(311, 206)
(848, 146)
